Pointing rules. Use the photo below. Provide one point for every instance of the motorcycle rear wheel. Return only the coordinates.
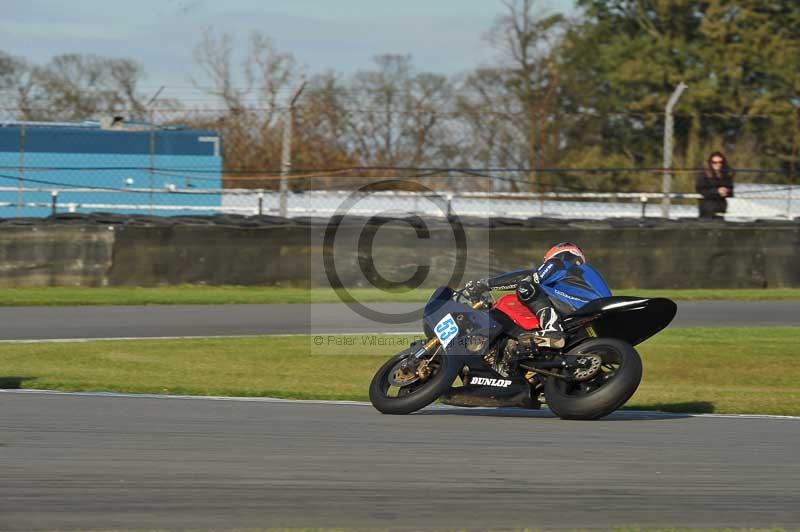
(620, 375)
(414, 396)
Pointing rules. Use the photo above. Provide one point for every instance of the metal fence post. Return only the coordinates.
(21, 179)
(53, 201)
(666, 180)
(286, 149)
(793, 165)
(151, 172)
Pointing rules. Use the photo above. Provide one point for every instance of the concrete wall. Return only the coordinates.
(40, 255)
(271, 251)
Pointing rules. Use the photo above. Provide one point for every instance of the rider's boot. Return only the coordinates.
(551, 334)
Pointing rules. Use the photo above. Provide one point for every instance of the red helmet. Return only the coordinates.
(564, 247)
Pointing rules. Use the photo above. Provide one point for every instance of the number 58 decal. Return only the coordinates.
(446, 330)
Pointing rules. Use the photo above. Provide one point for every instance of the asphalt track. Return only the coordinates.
(73, 461)
(77, 462)
(37, 323)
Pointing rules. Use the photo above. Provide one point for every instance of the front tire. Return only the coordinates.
(620, 375)
(414, 396)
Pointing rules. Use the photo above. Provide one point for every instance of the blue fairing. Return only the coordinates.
(467, 322)
(573, 295)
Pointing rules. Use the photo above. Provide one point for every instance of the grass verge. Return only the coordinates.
(221, 295)
(194, 295)
(688, 370)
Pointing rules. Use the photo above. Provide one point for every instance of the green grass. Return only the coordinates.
(220, 295)
(687, 370)
(192, 295)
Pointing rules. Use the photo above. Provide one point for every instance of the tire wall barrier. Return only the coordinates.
(272, 251)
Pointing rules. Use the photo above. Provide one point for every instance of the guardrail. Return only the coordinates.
(751, 202)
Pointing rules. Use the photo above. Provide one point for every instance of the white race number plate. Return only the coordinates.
(446, 330)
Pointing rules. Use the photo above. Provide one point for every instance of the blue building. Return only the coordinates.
(108, 167)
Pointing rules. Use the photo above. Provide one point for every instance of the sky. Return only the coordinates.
(443, 36)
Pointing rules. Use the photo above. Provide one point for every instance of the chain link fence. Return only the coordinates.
(204, 162)
(752, 202)
(54, 167)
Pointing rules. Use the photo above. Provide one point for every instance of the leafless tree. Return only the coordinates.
(323, 129)
(397, 114)
(252, 96)
(509, 108)
(80, 87)
(17, 88)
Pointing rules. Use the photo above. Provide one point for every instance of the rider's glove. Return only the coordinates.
(476, 288)
(527, 289)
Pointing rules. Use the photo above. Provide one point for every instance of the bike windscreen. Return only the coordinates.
(439, 297)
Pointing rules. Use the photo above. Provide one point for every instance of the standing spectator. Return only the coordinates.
(715, 184)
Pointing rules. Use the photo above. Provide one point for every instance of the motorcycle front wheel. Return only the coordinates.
(398, 388)
(616, 380)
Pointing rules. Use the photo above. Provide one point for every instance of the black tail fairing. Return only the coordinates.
(632, 319)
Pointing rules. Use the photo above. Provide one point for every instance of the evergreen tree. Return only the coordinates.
(741, 61)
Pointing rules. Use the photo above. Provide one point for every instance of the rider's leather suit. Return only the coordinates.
(559, 286)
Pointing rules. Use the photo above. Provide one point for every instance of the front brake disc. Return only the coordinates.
(403, 374)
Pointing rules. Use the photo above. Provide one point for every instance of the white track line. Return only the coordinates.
(190, 397)
(475, 410)
(211, 337)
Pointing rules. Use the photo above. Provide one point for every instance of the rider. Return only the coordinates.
(563, 283)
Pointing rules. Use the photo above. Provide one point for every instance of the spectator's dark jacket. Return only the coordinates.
(706, 185)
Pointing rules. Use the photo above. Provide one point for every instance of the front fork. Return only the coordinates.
(428, 348)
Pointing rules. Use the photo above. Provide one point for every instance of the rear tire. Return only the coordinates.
(422, 394)
(605, 393)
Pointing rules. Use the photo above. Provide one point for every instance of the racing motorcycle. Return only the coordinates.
(490, 346)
